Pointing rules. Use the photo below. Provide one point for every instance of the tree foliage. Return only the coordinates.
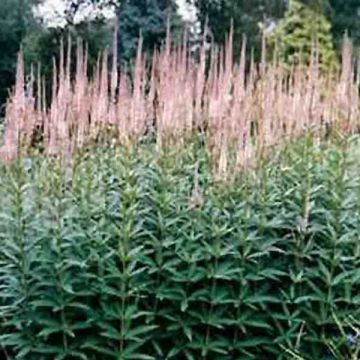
(304, 28)
(42, 46)
(345, 17)
(249, 17)
(16, 20)
(148, 17)
(41, 43)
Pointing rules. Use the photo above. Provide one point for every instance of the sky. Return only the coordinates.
(52, 12)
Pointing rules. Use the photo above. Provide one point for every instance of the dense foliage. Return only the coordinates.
(345, 17)
(136, 254)
(249, 18)
(149, 18)
(301, 27)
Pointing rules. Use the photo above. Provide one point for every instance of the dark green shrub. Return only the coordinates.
(113, 259)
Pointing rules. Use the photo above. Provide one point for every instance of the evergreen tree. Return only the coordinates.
(303, 27)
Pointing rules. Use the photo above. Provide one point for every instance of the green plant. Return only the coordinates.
(302, 27)
(142, 253)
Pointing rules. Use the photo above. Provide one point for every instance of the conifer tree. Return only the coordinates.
(303, 27)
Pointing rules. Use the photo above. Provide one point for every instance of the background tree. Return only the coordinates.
(249, 14)
(249, 18)
(303, 26)
(16, 21)
(42, 45)
(148, 17)
(41, 38)
(345, 16)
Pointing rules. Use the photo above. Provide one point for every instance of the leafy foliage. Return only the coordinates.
(302, 27)
(148, 18)
(111, 258)
(249, 18)
(345, 17)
